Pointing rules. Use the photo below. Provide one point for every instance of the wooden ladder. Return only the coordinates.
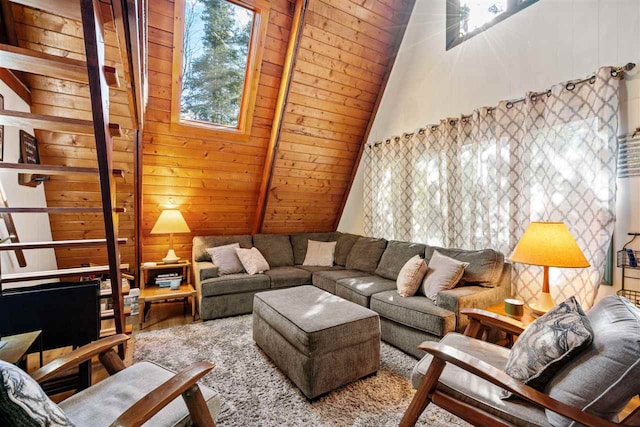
(99, 78)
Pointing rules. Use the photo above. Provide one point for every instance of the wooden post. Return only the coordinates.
(99, 89)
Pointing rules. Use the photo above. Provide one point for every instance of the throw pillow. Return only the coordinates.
(226, 259)
(442, 273)
(23, 403)
(548, 343)
(252, 260)
(320, 253)
(410, 276)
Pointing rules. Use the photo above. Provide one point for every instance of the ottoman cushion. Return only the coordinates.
(339, 323)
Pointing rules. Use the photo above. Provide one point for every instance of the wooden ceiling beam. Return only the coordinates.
(283, 93)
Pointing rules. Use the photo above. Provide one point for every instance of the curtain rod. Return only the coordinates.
(615, 72)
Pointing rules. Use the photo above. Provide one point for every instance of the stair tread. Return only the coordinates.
(56, 244)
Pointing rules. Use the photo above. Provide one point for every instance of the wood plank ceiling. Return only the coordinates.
(62, 36)
(343, 55)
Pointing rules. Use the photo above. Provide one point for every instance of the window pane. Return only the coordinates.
(217, 34)
(476, 13)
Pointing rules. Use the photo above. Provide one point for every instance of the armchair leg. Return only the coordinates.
(200, 415)
(422, 397)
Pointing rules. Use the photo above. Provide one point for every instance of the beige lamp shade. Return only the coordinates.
(170, 221)
(549, 244)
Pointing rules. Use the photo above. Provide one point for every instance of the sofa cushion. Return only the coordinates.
(201, 243)
(360, 289)
(365, 254)
(476, 391)
(417, 312)
(609, 364)
(342, 323)
(316, 268)
(344, 244)
(326, 280)
(284, 277)
(103, 402)
(485, 266)
(395, 256)
(299, 243)
(276, 248)
(234, 283)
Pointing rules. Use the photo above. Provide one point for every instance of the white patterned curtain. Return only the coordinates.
(476, 182)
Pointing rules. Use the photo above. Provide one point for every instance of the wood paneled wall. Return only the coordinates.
(340, 67)
(56, 35)
(339, 71)
(213, 180)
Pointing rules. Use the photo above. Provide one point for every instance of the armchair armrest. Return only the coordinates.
(78, 356)
(495, 376)
(183, 383)
(485, 318)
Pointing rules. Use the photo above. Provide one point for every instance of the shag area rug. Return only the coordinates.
(255, 393)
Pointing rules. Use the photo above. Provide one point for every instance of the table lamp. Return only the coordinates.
(169, 222)
(548, 244)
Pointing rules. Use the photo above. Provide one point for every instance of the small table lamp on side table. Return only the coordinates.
(169, 222)
(548, 244)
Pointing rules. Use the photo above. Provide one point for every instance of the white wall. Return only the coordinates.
(30, 227)
(547, 43)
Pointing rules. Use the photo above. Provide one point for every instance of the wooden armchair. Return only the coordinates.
(132, 396)
(463, 375)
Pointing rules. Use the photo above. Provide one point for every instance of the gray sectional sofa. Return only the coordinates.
(365, 272)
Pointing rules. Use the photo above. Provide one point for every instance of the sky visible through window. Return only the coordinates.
(217, 35)
(475, 13)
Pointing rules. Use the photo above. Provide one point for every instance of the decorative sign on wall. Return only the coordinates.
(29, 154)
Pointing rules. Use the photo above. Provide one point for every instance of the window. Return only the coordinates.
(467, 18)
(218, 62)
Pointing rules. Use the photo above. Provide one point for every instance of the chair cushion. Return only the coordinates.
(284, 277)
(604, 377)
(326, 280)
(276, 249)
(105, 401)
(234, 283)
(341, 324)
(417, 312)
(344, 244)
(365, 254)
(475, 391)
(299, 243)
(549, 343)
(395, 256)
(316, 268)
(24, 403)
(320, 253)
(226, 259)
(485, 266)
(360, 289)
(201, 243)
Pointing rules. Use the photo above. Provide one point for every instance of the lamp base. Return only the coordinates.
(542, 305)
(171, 257)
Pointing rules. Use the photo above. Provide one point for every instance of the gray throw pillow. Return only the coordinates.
(549, 343)
(23, 403)
(365, 254)
(226, 259)
(276, 249)
(606, 375)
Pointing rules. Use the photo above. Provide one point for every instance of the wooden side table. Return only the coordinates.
(150, 292)
(526, 319)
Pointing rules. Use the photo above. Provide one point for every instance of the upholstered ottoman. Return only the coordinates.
(320, 341)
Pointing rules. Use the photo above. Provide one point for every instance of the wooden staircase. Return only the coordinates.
(99, 78)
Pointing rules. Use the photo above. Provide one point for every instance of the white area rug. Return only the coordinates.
(255, 393)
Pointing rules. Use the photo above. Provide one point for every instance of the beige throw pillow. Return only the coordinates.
(226, 259)
(443, 273)
(410, 276)
(320, 253)
(252, 260)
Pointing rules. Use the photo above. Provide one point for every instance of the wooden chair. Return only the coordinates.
(473, 409)
(100, 404)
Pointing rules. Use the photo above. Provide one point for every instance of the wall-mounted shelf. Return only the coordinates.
(629, 259)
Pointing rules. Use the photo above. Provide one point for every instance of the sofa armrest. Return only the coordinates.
(457, 299)
(203, 270)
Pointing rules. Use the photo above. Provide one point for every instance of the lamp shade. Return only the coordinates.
(170, 221)
(549, 244)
